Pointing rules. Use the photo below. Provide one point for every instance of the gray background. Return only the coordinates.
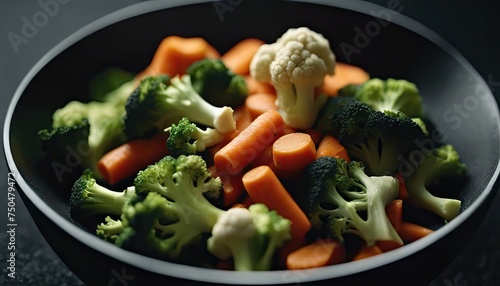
(473, 27)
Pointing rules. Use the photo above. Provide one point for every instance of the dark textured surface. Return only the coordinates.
(472, 27)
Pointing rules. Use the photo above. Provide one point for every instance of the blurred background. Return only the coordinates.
(472, 27)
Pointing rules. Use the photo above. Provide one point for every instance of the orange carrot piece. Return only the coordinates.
(225, 264)
(322, 252)
(410, 232)
(403, 192)
(331, 147)
(394, 211)
(250, 143)
(294, 151)
(232, 186)
(129, 158)
(263, 186)
(258, 103)
(367, 251)
(345, 74)
(175, 54)
(255, 86)
(238, 57)
(267, 159)
(387, 245)
(242, 118)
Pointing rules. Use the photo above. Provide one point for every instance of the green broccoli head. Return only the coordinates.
(156, 105)
(144, 107)
(388, 95)
(249, 236)
(110, 229)
(89, 198)
(84, 132)
(188, 139)
(186, 182)
(442, 162)
(217, 84)
(344, 200)
(378, 139)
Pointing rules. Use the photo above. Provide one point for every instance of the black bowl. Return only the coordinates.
(456, 99)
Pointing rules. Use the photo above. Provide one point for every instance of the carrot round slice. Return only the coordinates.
(294, 151)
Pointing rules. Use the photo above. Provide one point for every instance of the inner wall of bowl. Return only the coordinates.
(383, 49)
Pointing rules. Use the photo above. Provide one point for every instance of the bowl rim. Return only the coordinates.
(214, 275)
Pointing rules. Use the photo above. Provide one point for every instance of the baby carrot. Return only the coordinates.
(131, 157)
(330, 146)
(259, 103)
(175, 54)
(410, 232)
(319, 253)
(367, 251)
(255, 86)
(403, 192)
(238, 57)
(294, 151)
(394, 212)
(344, 74)
(263, 186)
(250, 143)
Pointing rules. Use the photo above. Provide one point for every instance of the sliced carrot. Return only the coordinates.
(345, 74)
(232, 186)
(129, 158)
(410, 232)
(263, 186)
(250, 143)
(388, 245)
(238, 58)
(322, 252)
(266, 159)
(294, 151)
(331, 147)
(403, 192)
(175, 54)
(394, 211)
(367, 251)
(255, 86)
(258, 103)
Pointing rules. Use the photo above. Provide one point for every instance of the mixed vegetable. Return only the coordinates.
(269, 156)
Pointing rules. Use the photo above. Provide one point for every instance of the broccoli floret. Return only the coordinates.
(388, 95)
(83, 132)
(250, 236)
(171, 209)
(157, 104)
(110, 229)
(188, 139)
(442, 162)
(217, 84)
(378, 139)
(344, 200)
(89, 198)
